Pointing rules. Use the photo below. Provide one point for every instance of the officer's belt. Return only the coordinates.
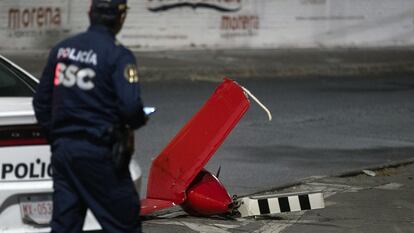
(87, 137)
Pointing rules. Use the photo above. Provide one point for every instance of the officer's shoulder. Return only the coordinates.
(122, 50)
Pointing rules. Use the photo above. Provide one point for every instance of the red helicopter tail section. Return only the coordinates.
(184, 157)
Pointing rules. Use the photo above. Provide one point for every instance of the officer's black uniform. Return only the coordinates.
(90, 84)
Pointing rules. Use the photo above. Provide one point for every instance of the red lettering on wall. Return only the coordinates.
(26, 18)
(40, 17)
(240, 23)
(36, 18)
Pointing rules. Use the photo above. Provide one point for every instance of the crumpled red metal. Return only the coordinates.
(177, 176)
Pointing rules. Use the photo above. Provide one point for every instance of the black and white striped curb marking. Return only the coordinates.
(264, 205)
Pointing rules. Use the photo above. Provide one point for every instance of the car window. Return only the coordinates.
(11, 85)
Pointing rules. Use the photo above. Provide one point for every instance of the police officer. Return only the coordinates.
(89, 86)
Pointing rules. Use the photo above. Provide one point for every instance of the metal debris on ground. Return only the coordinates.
(369, 173)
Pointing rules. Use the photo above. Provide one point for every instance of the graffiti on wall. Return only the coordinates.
(33, 21)
(39, 17)
(239, 25)
(218, 5)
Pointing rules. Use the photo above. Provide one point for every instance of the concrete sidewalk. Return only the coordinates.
(384, 203)
(360, 203)
(253, 63)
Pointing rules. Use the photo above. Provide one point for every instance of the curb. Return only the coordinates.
(349, 173)
(353, 172)
(395, 164)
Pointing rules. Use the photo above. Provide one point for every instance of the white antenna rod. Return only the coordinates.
(269, 114)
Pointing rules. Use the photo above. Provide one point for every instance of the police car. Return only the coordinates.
(25, 170)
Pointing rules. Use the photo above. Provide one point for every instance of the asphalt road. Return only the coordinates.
(321, 126)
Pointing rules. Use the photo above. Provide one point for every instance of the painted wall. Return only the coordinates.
(176, 24)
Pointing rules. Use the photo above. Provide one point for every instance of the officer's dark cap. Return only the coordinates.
(109, 7)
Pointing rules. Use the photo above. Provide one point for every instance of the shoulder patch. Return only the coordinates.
(131, 73)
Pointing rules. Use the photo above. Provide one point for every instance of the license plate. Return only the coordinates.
(36, 209)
